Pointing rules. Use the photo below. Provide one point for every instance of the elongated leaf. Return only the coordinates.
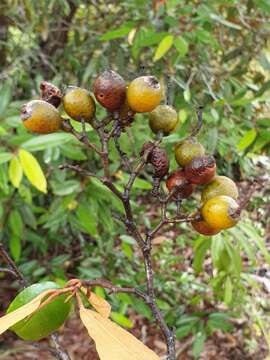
(32, 170)
(113, 342)
(15, 316)
(15, 246)
(43, 142)
(163, 47)
(99, 304)
(5, 157)
(247, 139)
(115, 34)
(121, 320)
(181, 46)
(15, 172)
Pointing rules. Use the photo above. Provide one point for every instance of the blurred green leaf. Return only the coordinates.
(247, 139)
(5, 157)
(43, 142)
(15, 172)
(181, 46)
(121, 320)
(163, 47)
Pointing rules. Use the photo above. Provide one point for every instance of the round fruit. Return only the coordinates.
(163, 118)
(201, 169)
(221, 212)
(79, 104)
(186, 150)
(110, 90)
(41, 117)
(144, 94)
(177, 178)
(158, 158)
(202, 227)
(44, 321)
(220, 185)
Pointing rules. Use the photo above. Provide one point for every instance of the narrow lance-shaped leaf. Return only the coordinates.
(32, 170)
(99, 304)
(15, 172)
(15, 316)
(113, 342)
(163, 47)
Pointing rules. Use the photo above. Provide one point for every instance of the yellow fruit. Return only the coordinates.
(41, 117)
(79, 104)
(144, 94)
(163, 118)
(221, 212)
(186, 150)
(220, 185)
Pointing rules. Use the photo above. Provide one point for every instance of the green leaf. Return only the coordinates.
(5, 97)
(16, 223)
(69, 187)
(181, 46)
(15, 246)
(5, 157)
(198, 344)
(222, 21)
(86, 219)
(121, 320)
(32, 170)
(200, 252)
(163, 47)
(184, 330)
(43, 142)
(15, 172)
(228, 291)
(247, 139)
(115, 34)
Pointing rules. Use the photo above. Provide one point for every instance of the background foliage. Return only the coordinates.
(210, 53)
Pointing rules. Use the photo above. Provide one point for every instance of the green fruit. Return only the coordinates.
(220, 185)
(79, 104)
(45, 321)
(188, 149)
(163, 118)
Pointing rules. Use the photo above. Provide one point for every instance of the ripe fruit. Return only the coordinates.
(186, 150)
(50, 93)
(44, 321)
(110, 90)
(202, 227)
(163, 118)
(158, 158)
(220, 185)
(79, 104)
(41, 117)
(221, 212)
(177, 178)
(201, 169)
(144, 94)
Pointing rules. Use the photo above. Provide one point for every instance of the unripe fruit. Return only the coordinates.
(163, 118)
(220, 185)
(144, 94)
(221, 212)
(200, 170)
(79, 104)
(202, 227)
(44, 321)
(110, 90)
(178, 179)
(186, 150)
(50, 93)
(41, 117)
(158, 158)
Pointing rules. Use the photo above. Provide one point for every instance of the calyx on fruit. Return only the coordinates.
(41, 117)
(50, 93)
(178, 179)
(201, 169)
(158, 158)
(110, 90)
(220, 185)
(144, 94)
(221, 212)
(164, 119)
(186, 150)
(44, 321)
(202, 227)
(79, 104)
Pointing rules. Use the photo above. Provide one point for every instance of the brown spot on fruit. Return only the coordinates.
(201, 169)
(178, 179)
(158, 158)
(50, 93)
(202, 227)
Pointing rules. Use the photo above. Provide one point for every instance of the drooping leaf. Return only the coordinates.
(43, 142)
(21, 313)
(181, 46)
(15, 246)
(15, 172)
(247, 139)
(163, 47)
(32, 170)
(5, 157)
(121, 320)
(113, 342)
(99, 304)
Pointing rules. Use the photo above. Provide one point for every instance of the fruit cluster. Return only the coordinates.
(219, 209)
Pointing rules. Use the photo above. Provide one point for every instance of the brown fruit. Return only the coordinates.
(41, 117)
(50, 93)
(110, 90)
(178, 179)
(201, 169)
(202, 227)
(158, 158)
(186, 150)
